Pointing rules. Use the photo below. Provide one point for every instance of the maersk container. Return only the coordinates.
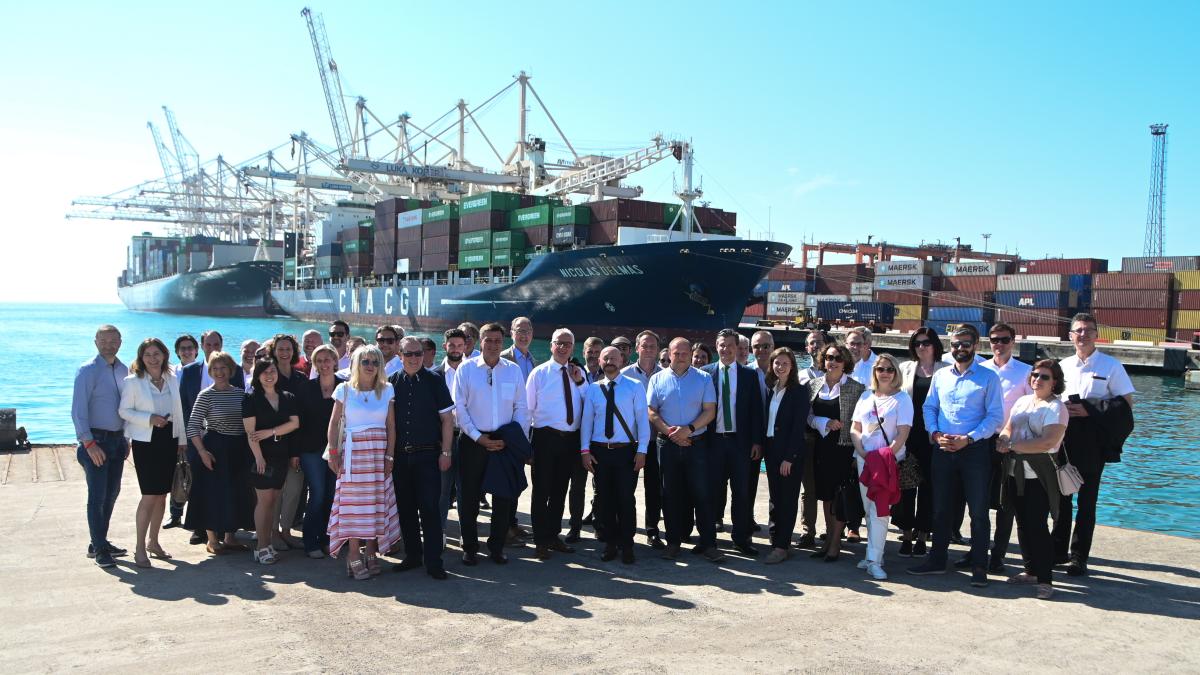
(961, 314)
(1031, 282)
(534, 216)
(783, 310)
(907, 282)
(865, 312)
(1171, 263)
(490, 201)
(812, 299)
(785, 298)
(975, 269)
(1036, 299)
(907, 267)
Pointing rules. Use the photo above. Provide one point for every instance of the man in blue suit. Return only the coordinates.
(735, 437)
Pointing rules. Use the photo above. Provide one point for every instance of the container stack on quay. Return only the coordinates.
(784, 292)
(358, 247)
(907, 284)
(1125, 305)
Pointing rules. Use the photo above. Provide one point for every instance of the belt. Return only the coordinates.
(612, 446)
(409, 449)
(556, 432)
(727, 434)
(105, 433)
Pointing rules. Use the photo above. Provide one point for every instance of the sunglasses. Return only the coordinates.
(1041, 376)
(837, 358)
(385, 340)
(409, 355)
(923, 343)
(761, 346)
(885, 369)
(1001, 340)
(369, 363)
(337, 333)
(960, 344)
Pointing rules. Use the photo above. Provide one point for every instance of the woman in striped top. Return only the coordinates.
(221, 501)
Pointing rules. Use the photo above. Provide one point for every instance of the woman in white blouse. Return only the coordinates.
(832, 399)
(1033, 434)
(882, 419)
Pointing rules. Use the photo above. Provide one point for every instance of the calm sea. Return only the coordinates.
(1154, 488)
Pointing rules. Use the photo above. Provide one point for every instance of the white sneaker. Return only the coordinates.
(864, 564)
(876, 572)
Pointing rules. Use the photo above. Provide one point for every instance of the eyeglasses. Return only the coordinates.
(369, 363)
(837, 358)
(522, 331)
(1041, 376)
(885, 369)
(961, 344)
(385, 341)
(1082, 331)
(1001, 340)
(409, 355)
(922, 343)
(337, 333)
(560, 343)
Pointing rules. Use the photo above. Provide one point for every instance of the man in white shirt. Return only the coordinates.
(249, 350)
(591, 359)
(646, 366)
(339, 336)
(554, 396)
(1093, 380)
(489, 393)
(387, 338)
(762, 343)
(858, 341)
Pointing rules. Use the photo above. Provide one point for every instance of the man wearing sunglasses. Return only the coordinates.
(387, 338)
(965, 407)
(339, 332)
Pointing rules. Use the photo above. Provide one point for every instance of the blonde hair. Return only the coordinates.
(897, 379)
(224, 359)
(356, 368)
(324, 349)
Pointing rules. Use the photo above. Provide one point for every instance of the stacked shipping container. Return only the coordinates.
(1121, 305)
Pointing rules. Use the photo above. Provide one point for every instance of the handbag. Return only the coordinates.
(181, 484)
(1069, 478)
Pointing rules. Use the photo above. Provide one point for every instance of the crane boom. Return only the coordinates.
(331, 83)
(589, 177)
(170, 169)
(185, 154)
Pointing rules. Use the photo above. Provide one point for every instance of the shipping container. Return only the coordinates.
(939, 327)
(848, 273)
(1066, 266)
(862, 298)
(759, 289)
(441, 228)
(490, 201)
(961, 299)
(910, 312)
(976, 269)
(907, 325)
(1186, 300)
(1145, 318)
(1035, 299)
(907, 282)
(626, 209)
(1026, 315)
(571, 215)
(1120, 280)
(603, 232)
(409, 233)
(408, 249)
(327, 250)
(406, 265)
(1187, 281)
(534, 216)
(715, 220)
(409, 219)
(1031, 282)
(670, 212)
(1132, 299)
(861, 288)
(1171, 263)
(356, 245)
(788, 272)
(434, 214)
(812, 299)
(1185, 336)
(438, 261)
(567, 235)
(902, 297)
(439, 245)
(509, 257)
(788, 286)
(969, 284)
(1048, 330)
(1186, 319)
(784, 310)
(961, 314)
(1135, 333)
(832, 286)
(469, 260)
(503, 240)
(919, 268)
(862, 312)
(477, 221)
(757, 310)
(785, 298)
(537, 236)
(473, 241)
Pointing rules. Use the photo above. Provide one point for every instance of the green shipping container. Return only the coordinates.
(474, 260)
(490, 201)
(508, 257)
(435, 213)
(506, 240)
(534, 216)
(474, 241)
(356, 246)
(369, 222)
(572, 215)
(669, 211)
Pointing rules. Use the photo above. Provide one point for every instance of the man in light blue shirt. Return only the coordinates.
(642, 370)
(522, 336)
(102, 444)
(682, 402)
(964, 408)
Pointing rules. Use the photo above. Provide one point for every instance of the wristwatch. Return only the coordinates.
(970, 440)
(692, 428)
(446, 454)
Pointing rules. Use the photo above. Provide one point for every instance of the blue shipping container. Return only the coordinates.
(962, 314)
(760, 289)
(939, 327)
(1079, 282)
(1033, 299)
(790, 286)
(879, 312)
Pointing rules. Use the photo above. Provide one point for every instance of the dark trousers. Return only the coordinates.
(686, 479)
(1080, 540)
(555, 459)
(809, 482)
(451, 483)
(970, 468)
(616, 481)
(755, 468)
(785, 500)
(652, 488)
(321, 484)
(1032, 510)
(576, 497)
(418, 483)
(103, 483)
(472, 460)
(729, 464)
(1004, 519)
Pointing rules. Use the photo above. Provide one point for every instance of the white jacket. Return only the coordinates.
(137, 405)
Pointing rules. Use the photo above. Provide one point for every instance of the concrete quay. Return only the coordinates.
(1137, 612)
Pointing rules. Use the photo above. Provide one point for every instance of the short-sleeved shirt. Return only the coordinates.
(257, 406)
(679, 399)
(875, 412)
(1030, 417)
(1099, 378)
(420, 399)
(364, 409)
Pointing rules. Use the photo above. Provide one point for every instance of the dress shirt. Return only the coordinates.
(1099, 378)
(949, 358)
(97, 397)
(635, 372)
(393, 366)
(545, 400)
(248, 380)
(206, 380)
(862, 370)
(679, 399)
(525, 360)
(593, 377)
(630, 400)
(828, 393)
(810, 373)
(971, 403)
(723, 372)
(773, 410)
(1014, 382)
(486, 398)
(448, 372)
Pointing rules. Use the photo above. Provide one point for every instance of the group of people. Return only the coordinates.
(378, 440)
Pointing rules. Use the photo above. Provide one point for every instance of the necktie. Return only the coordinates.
(610, 409)
(726, 412)
(567, 396)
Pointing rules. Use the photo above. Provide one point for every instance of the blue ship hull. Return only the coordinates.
(237, 290)
(690, 289)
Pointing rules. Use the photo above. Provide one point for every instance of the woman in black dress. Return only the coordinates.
(316, 407)
(914, 514)
(285, 351)
(268, 416)
(831, 413)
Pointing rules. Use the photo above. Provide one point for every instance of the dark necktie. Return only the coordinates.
(610, 409)
(567, 397)
(725, 409)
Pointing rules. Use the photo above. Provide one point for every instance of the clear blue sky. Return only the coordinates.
(908, 121)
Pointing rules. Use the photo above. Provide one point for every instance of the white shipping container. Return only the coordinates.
(907, 282)
(974, 269)
(774, 309)
(408, 219)
(198, 260)
(627, 236)
(785, 298)
(1032, 282)
(907, 267)
(402, 266)
(860, 288)
(812, 299)
(862, 298)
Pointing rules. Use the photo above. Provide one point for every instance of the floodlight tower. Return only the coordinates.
(1158, 178)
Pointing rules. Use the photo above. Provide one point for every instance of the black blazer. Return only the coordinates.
(748, 405)
(788, 442)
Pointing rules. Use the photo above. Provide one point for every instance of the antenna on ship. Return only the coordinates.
(1158, 180)
(688, 194)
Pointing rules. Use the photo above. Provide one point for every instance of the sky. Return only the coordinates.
(908, 122)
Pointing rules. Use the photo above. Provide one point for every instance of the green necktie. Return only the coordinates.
(726, 412)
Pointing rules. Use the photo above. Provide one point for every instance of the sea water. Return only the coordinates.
(1154, 488)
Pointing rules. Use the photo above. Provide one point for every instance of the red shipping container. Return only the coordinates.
(826, 286)
(437, 261)
(906, 325)
(406, 234)
(626, 209)
(602, 232)
(1136, 318)
(848, 273)
(903, 297)
(446, 244)
(1186, 335)
(1058, 330)
(1186, 300)
(441, 228)
(540, 235)
(381, 266)
(787, 272)
(1066, 266)
(961, 299)
(969, 284)
(1135, 299)
(1162, 281)
(483, 221)
(756, 310)
(1013, 315)
(408, 249)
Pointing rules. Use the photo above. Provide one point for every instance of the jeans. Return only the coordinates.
(971, 469)
(321, 484)
(451, 482)
(103, 483)
(686, 482)
(1085, 518)
(418, 487)
(729, 461)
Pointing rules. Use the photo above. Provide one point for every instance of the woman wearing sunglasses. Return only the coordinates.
(1028, 442)
(914, 514)
(882, 421)
(832, 399)
(364, 501)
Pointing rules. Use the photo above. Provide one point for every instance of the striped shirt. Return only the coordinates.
(219, 411)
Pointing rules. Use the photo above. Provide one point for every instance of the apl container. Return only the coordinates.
(1031, 282)
(863, 312)
(1036, 299)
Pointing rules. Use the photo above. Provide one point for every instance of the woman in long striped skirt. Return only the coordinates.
(364, 502)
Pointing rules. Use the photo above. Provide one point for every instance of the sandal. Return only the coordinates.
(358, 570)
(156, 551)
(373, 565)
(141, 560)
(215, 549)
(265, 556)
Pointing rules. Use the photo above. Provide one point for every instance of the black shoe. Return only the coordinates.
(747, 549)
(672, 552)
(720, 526)
(928, 567)
(697, 549)
(601, 536)
(105, 560)
(958, 540)
(1062, 560)
(572, 535)
(979, 577)
(656, 542)
(819, 553)
(589, 520)
(906, 549)
(996, 566)
(963, 563)
(91, 552)
(627, 556)
(542, 552)
(115, 551)
(406, 565)
(561, 547)
(687, 539)
(610, 553)
(919, 548)
(712, 554)
(755, 527)
(172, 523)
(197, 538)
(806, 540)
(499, 558)
(1076, 569)
(470, 558)
(439, 574)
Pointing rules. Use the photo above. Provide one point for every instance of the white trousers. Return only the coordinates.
(877, 527)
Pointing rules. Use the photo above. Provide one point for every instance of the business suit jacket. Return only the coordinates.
(851, 392)
(137, 405)
(189, 385)
(748, 413)
(908, 370)
(511, 355)
(788, 440)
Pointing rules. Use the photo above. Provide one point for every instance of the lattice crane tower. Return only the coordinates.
(1158, 179)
